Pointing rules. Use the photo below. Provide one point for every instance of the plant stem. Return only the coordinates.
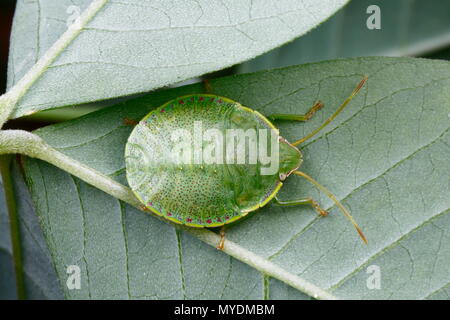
(23, 142)
(5, 166)
(261, 264)
(6, 107)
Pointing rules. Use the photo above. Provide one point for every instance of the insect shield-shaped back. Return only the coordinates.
(204, 160)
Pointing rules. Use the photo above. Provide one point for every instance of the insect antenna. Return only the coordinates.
(335, 200)
(334, 115)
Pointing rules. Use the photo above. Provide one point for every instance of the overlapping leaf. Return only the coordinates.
(135, 46)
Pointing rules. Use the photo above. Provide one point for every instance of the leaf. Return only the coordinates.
(386, 157)
(124, 254)
(39, 276)
(8, 286)
(406, 30)
(129, 47)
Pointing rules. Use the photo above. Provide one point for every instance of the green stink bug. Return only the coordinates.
(187, 162)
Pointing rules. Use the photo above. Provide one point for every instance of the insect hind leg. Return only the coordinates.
(207, 87)
(130, 122)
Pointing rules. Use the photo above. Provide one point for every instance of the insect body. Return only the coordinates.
(187, 160)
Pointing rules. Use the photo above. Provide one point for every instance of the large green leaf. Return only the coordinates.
(408, 27)
(130, 47)
(386, 157)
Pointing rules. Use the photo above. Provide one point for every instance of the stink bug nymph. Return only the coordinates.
(170, 172)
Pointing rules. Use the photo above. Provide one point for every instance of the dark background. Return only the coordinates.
(6, 16)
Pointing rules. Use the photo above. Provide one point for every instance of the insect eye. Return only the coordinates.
(282, 176)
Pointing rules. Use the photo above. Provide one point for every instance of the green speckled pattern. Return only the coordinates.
(198, 194)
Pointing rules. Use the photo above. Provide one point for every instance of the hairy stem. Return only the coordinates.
(261, 264)
(6, 107)
(23, 142)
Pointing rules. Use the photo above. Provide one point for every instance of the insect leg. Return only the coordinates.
(130, 122)
(334, 115)
(308, 201)
(207, 86)
(222, 238)
(297, 117)
(144, 208)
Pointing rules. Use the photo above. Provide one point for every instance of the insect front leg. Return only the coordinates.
(298, 117)
(308, 201)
